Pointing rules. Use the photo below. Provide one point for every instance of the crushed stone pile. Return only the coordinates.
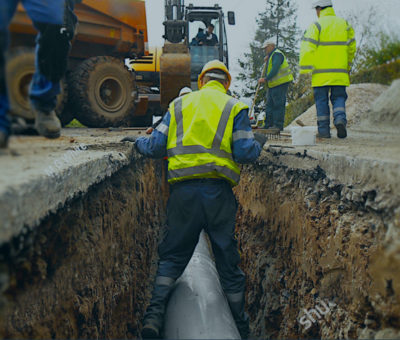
(384, 114)
(360, 100)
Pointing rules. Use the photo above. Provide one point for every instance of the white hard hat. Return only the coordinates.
(271, 41)
(185, 90)
(322, 3)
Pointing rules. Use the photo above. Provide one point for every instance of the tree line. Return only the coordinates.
(375, 46)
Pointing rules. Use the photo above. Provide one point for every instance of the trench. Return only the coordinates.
(305, 242)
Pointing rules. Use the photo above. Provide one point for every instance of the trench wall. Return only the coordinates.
(84, 272)
(313, 229)
(310, 239)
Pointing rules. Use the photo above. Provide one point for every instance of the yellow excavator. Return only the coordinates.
(100, 89)
(165, 71)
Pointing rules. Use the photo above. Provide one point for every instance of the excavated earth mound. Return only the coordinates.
(360, 99)
(384, 114)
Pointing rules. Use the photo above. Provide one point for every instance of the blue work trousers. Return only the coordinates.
(43, 93)
(195, 205)
(338, 100)
(276, 106)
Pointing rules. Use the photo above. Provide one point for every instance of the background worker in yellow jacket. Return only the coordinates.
(278, 77)
(205, 134)
(327, 50)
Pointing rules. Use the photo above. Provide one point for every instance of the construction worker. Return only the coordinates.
(327, 50)
(277, 79)
(199, 38)
(210, 38)
(205, 134)
(184, 90)
(55, 22)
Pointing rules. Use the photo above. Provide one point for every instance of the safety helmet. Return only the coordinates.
(322, 3)
(271, 41)
(185, 90)
(214, 65)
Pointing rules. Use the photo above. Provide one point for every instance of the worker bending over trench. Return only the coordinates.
(204, 134)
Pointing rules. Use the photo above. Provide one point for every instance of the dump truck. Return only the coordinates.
(98, 89)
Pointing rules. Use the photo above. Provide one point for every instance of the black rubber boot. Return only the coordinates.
(154, 317)
(3, 140)
(320, 135)
(341, 130)
(236, 303)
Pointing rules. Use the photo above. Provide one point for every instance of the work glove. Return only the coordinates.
(260, 138)
(131, 139)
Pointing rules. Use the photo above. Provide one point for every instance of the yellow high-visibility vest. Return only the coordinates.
(327, 50)
(284, 74)
(200, 135)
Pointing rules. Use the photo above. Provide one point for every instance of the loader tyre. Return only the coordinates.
(19, 72)
(103, 92)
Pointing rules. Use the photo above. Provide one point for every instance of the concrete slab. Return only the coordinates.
(38, 176)
(363, 162)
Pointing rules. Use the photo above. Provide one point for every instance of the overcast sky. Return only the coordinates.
(240, 35)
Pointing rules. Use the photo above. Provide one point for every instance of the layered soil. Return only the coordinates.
(85, 271)
(308, 242)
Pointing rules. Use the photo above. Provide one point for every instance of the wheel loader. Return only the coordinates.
(165, 71)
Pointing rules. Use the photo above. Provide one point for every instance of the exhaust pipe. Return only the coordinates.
(198, 308)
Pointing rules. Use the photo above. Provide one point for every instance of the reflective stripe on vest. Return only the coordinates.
(203, 169)
(330, 52)
(180, 149)
(284, 74)
(329, 43)
(210, 169)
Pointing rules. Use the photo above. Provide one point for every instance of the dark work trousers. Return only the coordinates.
(276, 106)
(338, 99)
(194, 205)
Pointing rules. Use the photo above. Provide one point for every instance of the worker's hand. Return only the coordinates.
(261, 80)
(131, 139)
(149, 131)
(260, 138)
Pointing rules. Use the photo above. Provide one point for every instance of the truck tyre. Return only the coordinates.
(67, 114)
(103, 92)
(19, 72)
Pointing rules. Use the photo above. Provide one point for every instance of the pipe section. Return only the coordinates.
(198, 308)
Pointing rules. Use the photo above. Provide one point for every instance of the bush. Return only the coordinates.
(382, 74)
(385, 51)
(298, 107)
(75, 124)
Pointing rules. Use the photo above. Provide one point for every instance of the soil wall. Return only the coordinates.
(318, 239)
(84, 272)
(321, 255)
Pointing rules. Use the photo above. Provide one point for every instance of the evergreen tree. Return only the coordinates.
(278, 21)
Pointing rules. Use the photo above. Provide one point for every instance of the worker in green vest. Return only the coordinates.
(277, 79)
(327, 50)
(205, 135)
